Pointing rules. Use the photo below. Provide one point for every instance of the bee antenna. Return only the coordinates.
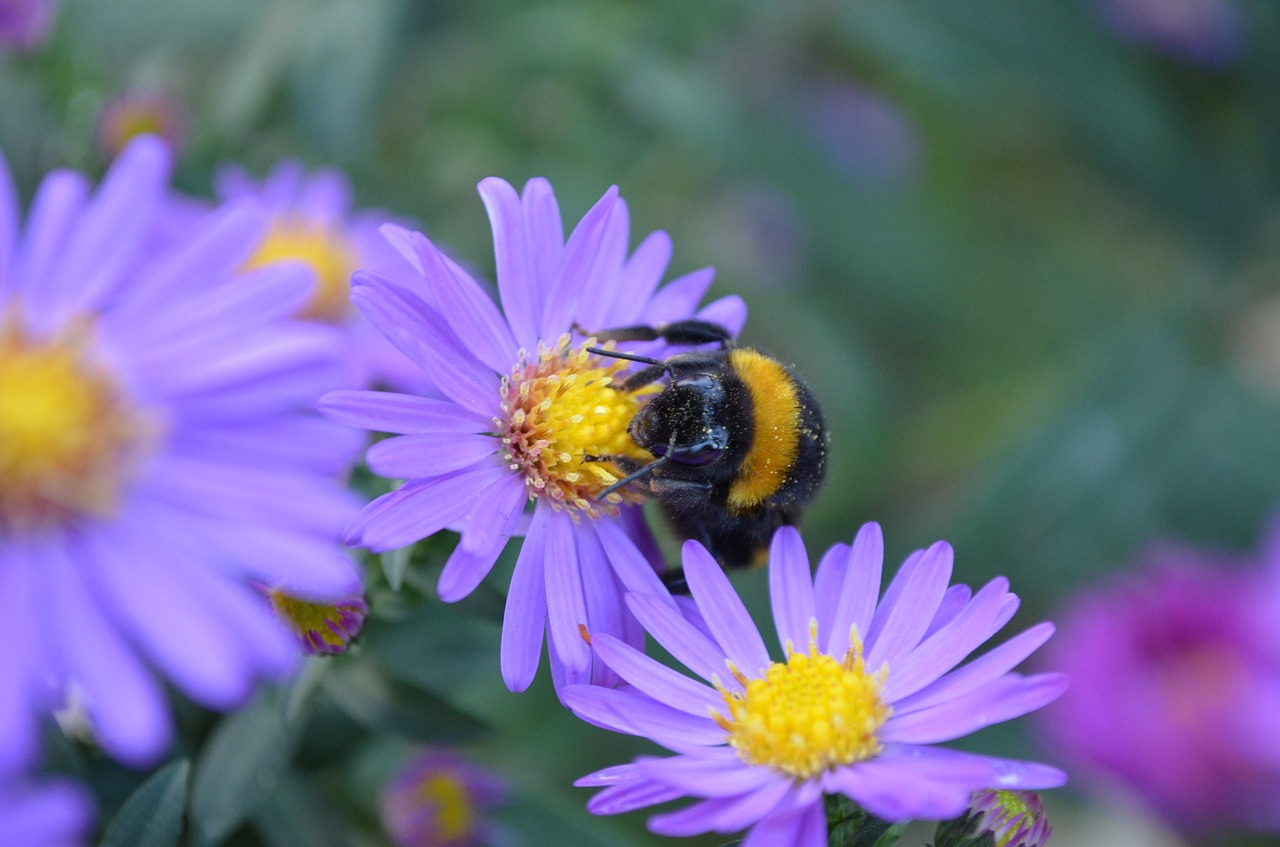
(630, 357)
(632, 477)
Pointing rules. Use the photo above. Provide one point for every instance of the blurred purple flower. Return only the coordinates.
(25, 24)
(49, 814)
(313, 224)
(1011, 818)
(1175, 694)
(441, 800)
(142, 112)
(524, 404)
(866, 692)
(158, 452)
(1205, 32)
(865, 136)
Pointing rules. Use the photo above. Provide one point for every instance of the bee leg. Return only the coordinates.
(675, 581)
(689, 332)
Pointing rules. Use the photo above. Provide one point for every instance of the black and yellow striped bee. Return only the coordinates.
(738, 438)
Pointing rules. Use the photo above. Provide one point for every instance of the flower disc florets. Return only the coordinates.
(326, 251)
(808, 714)
(561, 414)
(68, 437)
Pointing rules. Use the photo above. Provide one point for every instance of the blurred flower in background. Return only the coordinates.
(313, 224)
(998, 818)
(1206, 32)
(441, 799)
(527, 406)
(865, 136)
(157, 453)
(143, 111)
(1175, 689)
(764, 740)
(25, 24)
(49, 814)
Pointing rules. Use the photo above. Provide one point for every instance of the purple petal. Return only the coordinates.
(656, 679)
(607, 613)
(956, 598)
(722, 814)
(718, 773)
(53, 215)
(679, 298)
(639, 279)
(566, 604)
(723, 611)
(517, 277)
(857, 599)
(633, 569)
(423, 508)
(129, 713)
(465, 307)
(19, 663)
(791, 589)
(678, 637)
(403, 414)
(9, 218)
(997, 701)
(788, 823)
(48, 814)
(907, 615)
(973, 769)
(430, 454)
(827, 583)
(980, 671)
(577, 263)
(424, 336)
(636, 714)
(616, 775)
(943, 650)
(628, 798)
(305, 443)
(497, 520)
(598, 295)
(894, 792)
(545, 234)
(466, 568)
(526, 614)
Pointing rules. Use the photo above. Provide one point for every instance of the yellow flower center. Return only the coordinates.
(67, 435)
(452, 804)
(1012, 807)
(561, 418)
(808, 714)
(323, 627)
(325, 251)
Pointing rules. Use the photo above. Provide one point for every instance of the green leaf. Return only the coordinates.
(238, 767)
(380, 702)
(295, 814)
(152, 816)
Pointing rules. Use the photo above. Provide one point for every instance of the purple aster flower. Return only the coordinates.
(25, 24)
(320, 626)
(524, 404)
(865, 692)
(49, 814)
(1205, 32)
(313, 224)
(441, 800)
(1175, 694)
(998, 819)
(142, 112)
(159, 452)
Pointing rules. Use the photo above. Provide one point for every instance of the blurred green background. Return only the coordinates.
(1027, 254)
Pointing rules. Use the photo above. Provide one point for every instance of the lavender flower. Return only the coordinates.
(1204, 32)
(998, 819)
(142, 112)
(50, 814)
(441, 800)
(525, 404)
(1175, 694)
(313, 224)
(320, 627)
(25, 24)
(865, 692)
(157, 454)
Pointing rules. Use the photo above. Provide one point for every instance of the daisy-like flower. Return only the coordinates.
(440, 799)
(144, 111)
(856, 706)
(25, 24)
(159, 454)
(998, 818)
(1175, 696)
(526, 407)
(48, 814)
(313, 224)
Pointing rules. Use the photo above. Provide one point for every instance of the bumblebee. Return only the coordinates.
(738, 439)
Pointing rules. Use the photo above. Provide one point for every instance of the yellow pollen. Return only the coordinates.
(561, 410)
(325, 251)
(67, 436)
(808, 714)
(452, 806)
